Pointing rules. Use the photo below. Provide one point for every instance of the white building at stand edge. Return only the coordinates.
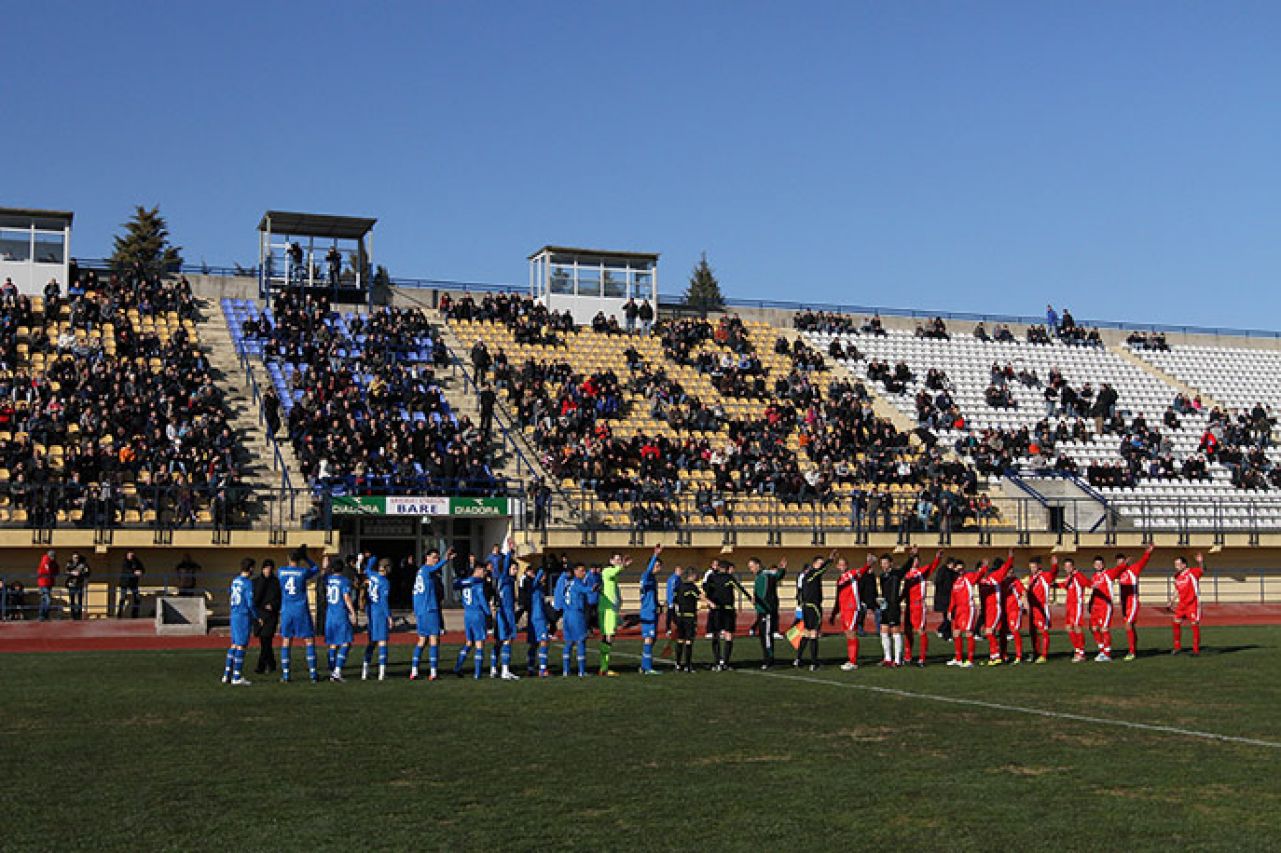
(35, 246)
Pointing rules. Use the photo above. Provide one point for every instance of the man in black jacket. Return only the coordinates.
(891, 606)
(267, 601)
(130, 577)
(943, 580)
(809, 595)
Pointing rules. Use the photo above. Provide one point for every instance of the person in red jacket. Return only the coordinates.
(1101, 607)
(847, 606)
(964, 613)
(993, 612)
(1128, 581)
(1187, 601)
(1076, 585)
(914, 595)
(1040, 584)
(1013, 596)
(46, 575)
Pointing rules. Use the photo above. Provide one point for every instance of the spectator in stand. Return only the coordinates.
(128, 590)
(77, 583)
(333, 259)
(487, 398)
(630, 312)
(46, 576)
(1052, 319)
(646, 315)
(271, 411)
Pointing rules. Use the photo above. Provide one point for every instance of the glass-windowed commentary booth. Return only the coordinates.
(588, 281)
(35, 246)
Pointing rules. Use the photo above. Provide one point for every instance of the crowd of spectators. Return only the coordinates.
(529, 321)
(1154, 341)
(369, 416)
(141, 423)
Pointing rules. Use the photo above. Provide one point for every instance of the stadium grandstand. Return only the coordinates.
(194, 412)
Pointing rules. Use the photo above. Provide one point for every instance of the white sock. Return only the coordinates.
(898, 648)
(886, 647)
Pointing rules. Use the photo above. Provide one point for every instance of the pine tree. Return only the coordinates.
(704, 292)
(144, 248)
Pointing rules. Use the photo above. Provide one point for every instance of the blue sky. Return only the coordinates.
(1119, 158)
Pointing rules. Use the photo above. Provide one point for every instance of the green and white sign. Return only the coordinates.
(423, 506)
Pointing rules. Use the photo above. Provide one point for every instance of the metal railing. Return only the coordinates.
(905, 517)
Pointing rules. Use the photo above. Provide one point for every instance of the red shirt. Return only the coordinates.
(1038, 591)
(1101, 586)
(1013, 593)
(1128, 580)
(990, 587)
(1187, 586)
(47, 572)
(963, 591)
(1075, 585)
(914, 584)
(847, 589)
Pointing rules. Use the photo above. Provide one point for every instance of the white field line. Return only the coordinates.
(998, 706)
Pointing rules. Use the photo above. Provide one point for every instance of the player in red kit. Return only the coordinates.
(1013, 597)
(1040, 585)
(1101, 607)
(914, 597)
(993, 612)
(1187, 601)
(1128, 581)
(964, 612)
(1077, 586)
(847, 606)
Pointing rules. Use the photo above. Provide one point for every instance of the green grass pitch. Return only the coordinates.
(146, 750)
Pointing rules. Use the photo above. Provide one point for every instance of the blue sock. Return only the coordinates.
(433, 656)
(507, 655)
(569, 650)
(582, 657)
(311, 661)
(333, 656)
(542, 658)
(285, 654)
(341, 658)
(231, 659)
(240, 665)
(382, 655)
(462, 658)
(418, 657)
(493, 655)
(480, 660)
(369, 653)
(530, 657)
(647, 657)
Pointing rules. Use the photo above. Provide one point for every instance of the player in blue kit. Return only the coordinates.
(673, 583)
(475, 614)
(538, 630)
(575, 594)
(340, 620)
(503, 569)
(295, 616)
(378, 614)
(243, 616)
(649, 612)
(427, 595)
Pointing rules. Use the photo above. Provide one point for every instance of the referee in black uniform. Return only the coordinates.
(810, 597)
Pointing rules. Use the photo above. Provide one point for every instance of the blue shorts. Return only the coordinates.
(474, 626)
(338, 631)
(429, 623)
(537, 632)
(241, 629)
(649, 630)
(504, 624)
(575, 627)
(379, 626)
(296, 624)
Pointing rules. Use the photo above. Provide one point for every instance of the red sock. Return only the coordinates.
(925, 637)
(993, 646)
(1045, 644)
(1078, 643)
(1178, 636)
(969, 648)
(1107, 641)
(1131, 637)
(1018, 646)
(1196, 638)
(851, 648)
(907, 645)
(959, 642)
